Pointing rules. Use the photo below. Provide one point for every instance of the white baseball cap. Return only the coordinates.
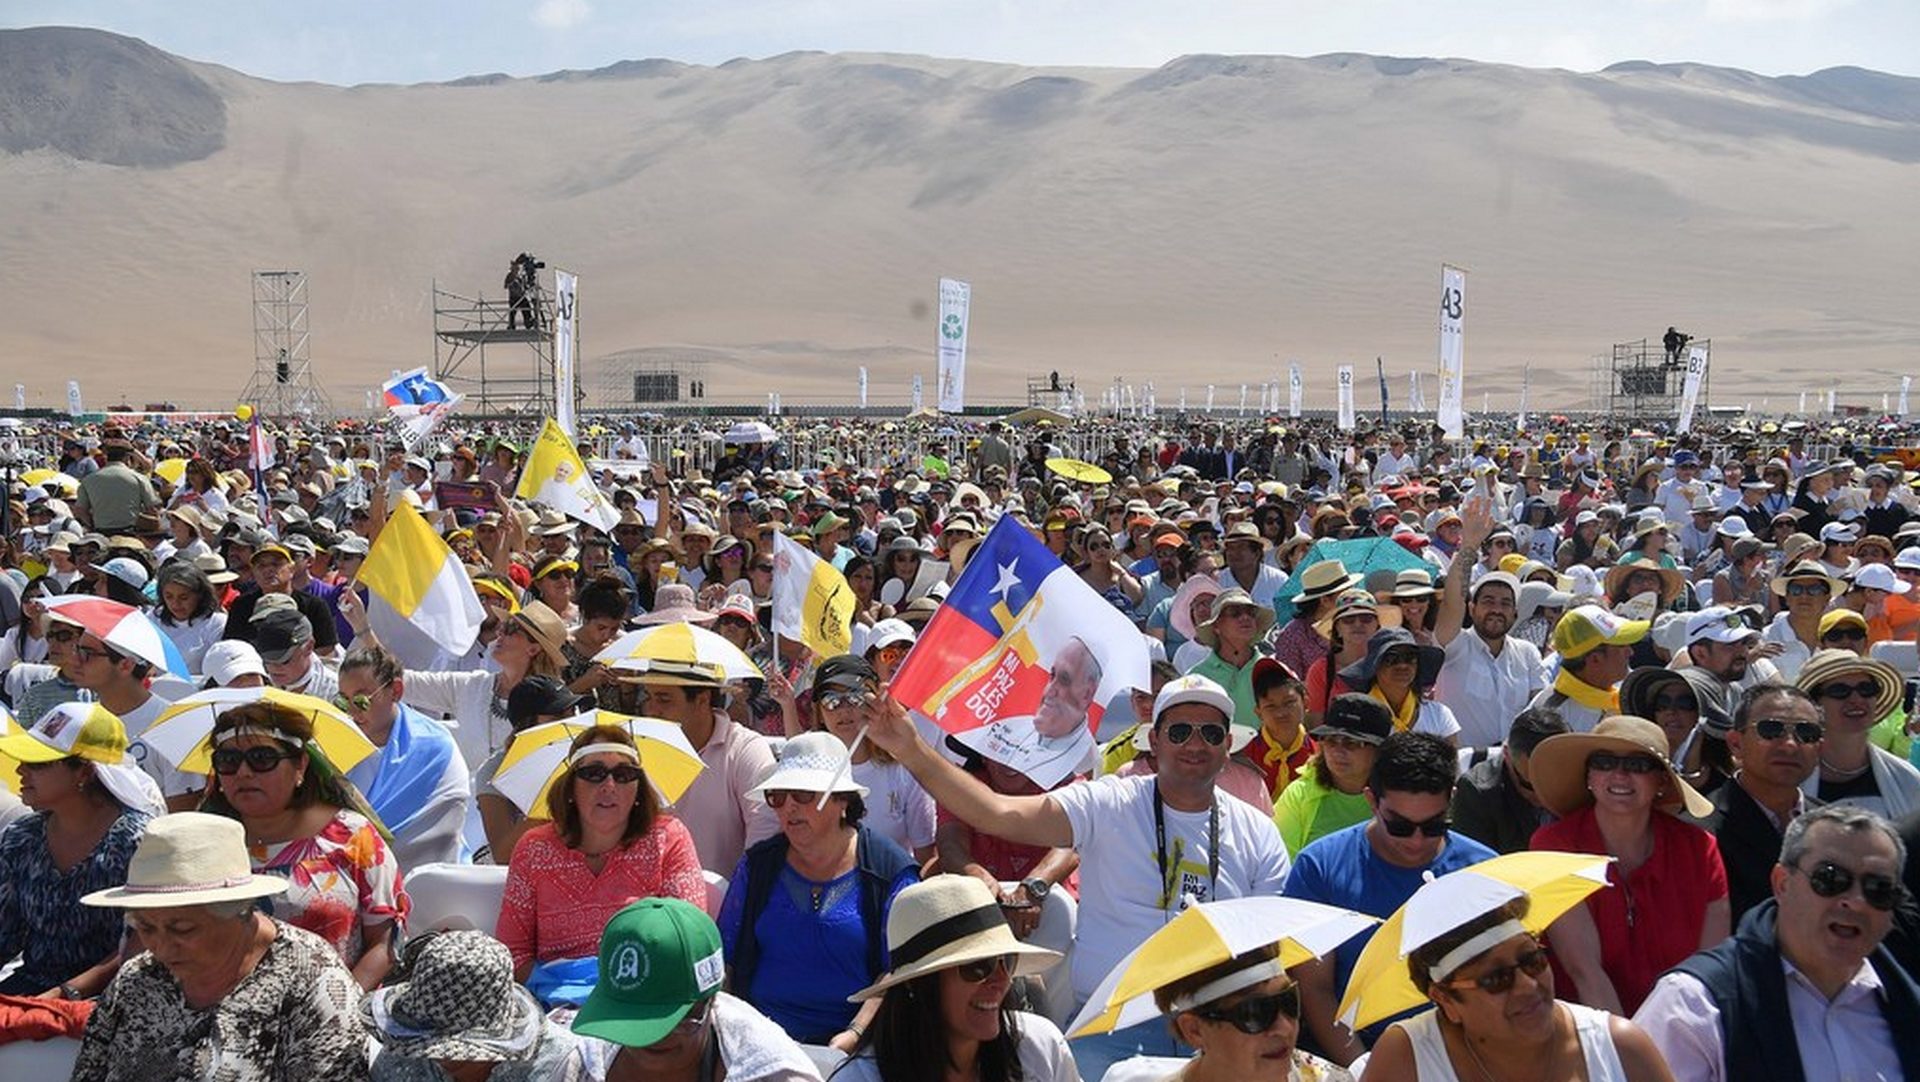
(1839, 531)
(1880, 577)
(230, 659)
(1718, 624)
(1192, 689)
(1908, 559)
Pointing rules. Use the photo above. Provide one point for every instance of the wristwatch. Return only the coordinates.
(68, 991)
(1036, 888)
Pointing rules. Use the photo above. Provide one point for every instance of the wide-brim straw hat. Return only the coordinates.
(1672, 582)
(186, 859)
(1324, 579)
(1413, 583)
(1559, 765)
(946, 921)
(546, 628)
(1804, 571)
(1224, 600)
(675, 603)
(1826, 666)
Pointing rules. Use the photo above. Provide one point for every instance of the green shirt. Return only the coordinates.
(1238, 682)
(1307, 810)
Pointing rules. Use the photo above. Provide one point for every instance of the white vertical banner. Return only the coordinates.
(369, 401)
(1906, 385)
(1526, 383)
(1296, 390)
(1345, 376)
(1415, 403)
(1153, 400)
(1209, 398)
(1832, 408)
(1243, 398)
(1183, 400)
(919, 395)
(863, 386)
(1690, 390)
(1883, 404)
(1079, 400)
(1453, 360)
(20, 396)
(565, 292)
(955, 299)
(74, 406)
(773, 408)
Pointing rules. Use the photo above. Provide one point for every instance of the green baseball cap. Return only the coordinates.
(659, 958)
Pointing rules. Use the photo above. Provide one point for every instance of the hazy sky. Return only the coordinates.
(354, 41)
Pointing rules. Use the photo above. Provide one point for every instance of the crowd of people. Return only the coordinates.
(1376, 659)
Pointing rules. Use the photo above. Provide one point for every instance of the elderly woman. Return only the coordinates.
(1233, 635)
(90, 806)
(1742, 581)
(1853, 694)
(1400, 672)
(1616, 792)
(459, 1017)
(223, 991)
(307, 823)
(846, 696)
(1807, 590)
(671, 1020)
(607, 843)
(804, 918)
(1495, 1016)
(943, 1008)
(189, 612)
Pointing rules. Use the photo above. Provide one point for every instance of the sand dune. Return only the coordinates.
(786, 219)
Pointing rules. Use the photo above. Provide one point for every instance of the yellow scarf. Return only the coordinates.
(1606, 700)
(1404, 714)
(1277, 754)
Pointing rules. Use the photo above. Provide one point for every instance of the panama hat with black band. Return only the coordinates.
(947, 921)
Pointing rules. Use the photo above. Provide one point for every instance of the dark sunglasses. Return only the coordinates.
(1257, 1014)
(1401, 827)
(260, 760)
(1808, 589)
(760, 567)
(595, 773)
(835, 700)
(1844, 634)
(1400, 657)
(1866, 689)
(1179, 732)
(1679, 700)
(1605, 762)
(1804, 732)
(979, 970)
(1499, 981)
(1830, 880)
(777, 798)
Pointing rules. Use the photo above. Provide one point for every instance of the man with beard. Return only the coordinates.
(1488, 676)
(1802, 989)
(1168, 573)
(1720, 645)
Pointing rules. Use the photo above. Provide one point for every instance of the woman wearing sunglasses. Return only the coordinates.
(1495, 1017)
(555, 580)
(1242, 1018)
(1616, 792)
(846, 694)
(607, 843)
(942, 1011)
(804, 918)
(308, 824)
(1399, 671)
(1854, 693)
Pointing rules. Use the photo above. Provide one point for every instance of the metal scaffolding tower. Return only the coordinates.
(513, 379)
(282, 383)
(1644, 384)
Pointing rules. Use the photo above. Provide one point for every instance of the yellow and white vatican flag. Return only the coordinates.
(419, 599)
(811, 600)
(555, 476)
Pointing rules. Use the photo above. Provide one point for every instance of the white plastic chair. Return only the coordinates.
(824, 1059)
(1059, 915)
(716, 891)
(455, 897)
(1904, 656)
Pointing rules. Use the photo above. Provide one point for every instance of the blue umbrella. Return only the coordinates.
(1358, 556)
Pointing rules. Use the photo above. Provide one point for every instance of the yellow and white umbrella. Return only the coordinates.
(678, 648)
(1075, 470)
(179, 734)
(1205, 935)
(9, 766)
(45, 476)
(538, 756)
(1552, 882)
(172, 470)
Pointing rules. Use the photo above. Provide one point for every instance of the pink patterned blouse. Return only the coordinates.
(556, 907)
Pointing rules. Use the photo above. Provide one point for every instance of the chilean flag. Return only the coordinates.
(415, 388)
(989, 650)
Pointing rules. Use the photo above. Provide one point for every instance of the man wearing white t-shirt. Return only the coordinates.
(1204, 847)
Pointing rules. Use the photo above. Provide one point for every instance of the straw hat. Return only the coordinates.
(546, 628)
(1324, 579)
(1413, 583)
(459, 1003)
(946, 921)
(1222, 601)
(1830, 666)
(1559, 766)
(1672, 582)
(188, 858)
(1806, 571)
(674, 603)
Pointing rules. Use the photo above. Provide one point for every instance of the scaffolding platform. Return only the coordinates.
(1644, 385)
(503, 371)
(483, 335)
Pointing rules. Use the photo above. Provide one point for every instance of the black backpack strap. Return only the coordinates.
(764, 862)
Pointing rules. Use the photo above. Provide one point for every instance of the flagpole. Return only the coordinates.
(844, 770)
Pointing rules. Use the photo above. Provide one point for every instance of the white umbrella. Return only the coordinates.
(678, 646)
(539, 754)
(751, 432)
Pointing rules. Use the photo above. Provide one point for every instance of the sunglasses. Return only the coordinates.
(1866, 689)
(1399, 657)
(1679, 700)
(260, 760)
(1180, 732)
(761, 567)
(1830, 880)
(838, 700)
(1399, 826)
(1499, 981)
(354, 703)
(1808, 589)
(1606, 762)
(1804, 732)
(595, 773)
(1844, 634)
(976, 971)
(777, 798)
(1257, 1014)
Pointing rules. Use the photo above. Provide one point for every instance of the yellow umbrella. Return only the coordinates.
(679, 649)
(173, 470)
(1553, 883)
(9, 766)
(538, 756)
(1075, 470)
(179, 734)
(1207, 934)
(45, 476)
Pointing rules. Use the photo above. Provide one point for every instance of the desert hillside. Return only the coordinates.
(786, 219)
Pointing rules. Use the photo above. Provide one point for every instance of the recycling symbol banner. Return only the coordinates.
(951, 344)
